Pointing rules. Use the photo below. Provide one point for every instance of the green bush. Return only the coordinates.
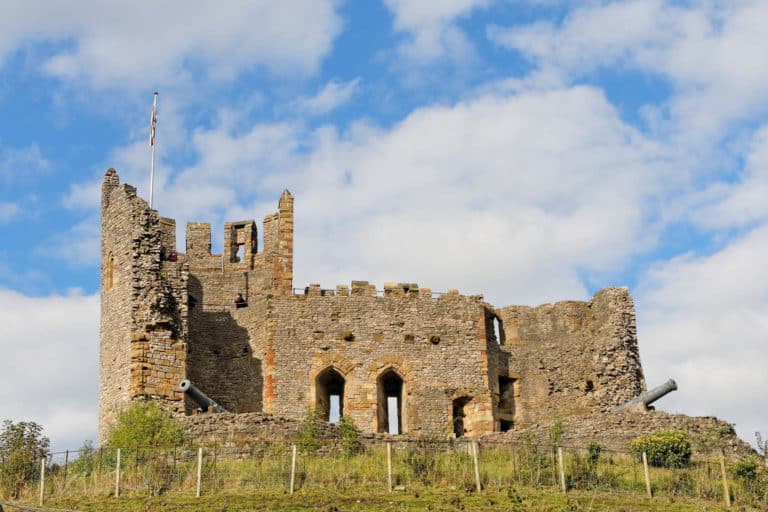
(145, 424)
(22, 445)
(593, 453)
(349, 437)
(308, 437)
(85, 463)
(745, 469)
(556, 431)
(666, 448)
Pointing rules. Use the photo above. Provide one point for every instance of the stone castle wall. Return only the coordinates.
(169, 315)
(143, 313)
(571, 357)
(435, 346)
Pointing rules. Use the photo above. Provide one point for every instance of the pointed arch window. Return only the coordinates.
(329, 395)
(390, 402)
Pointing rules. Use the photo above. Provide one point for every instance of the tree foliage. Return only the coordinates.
(86, 460)
(145, 424)
(22, 445)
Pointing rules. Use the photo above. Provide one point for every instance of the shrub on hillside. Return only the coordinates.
(86, 457)
(745, 469)
(666, 448)
(145, 424)
(22, 445)
(350, 443)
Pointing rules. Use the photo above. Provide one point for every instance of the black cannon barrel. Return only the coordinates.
(199, 397)
(649, 397)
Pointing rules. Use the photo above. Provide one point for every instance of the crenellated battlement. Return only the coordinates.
(391, 290)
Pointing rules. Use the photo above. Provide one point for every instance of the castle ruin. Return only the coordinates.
(402, 360)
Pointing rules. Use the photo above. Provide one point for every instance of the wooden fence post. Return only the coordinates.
(66, 465)
(726, 490)
(293, 467)
(647, 475)
(562, 469)
(389, 466)
(477, 467)
(97, 472)
(42, 481)
(117, 475)
(199, 471)
(512, 460)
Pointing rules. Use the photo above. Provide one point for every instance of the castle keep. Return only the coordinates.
(399, 360)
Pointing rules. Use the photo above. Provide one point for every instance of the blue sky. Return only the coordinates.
(528, 150)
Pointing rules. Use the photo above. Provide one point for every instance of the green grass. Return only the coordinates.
(518, 499)
(426, 476)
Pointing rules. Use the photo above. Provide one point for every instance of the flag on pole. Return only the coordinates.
(153, 123)
(152, 126)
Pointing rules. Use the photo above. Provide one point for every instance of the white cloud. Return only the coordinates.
(711, 52)
(517, 194)
(331, 96)
(83, 195)
(703, 320)
(431, 30)
(16, 164)
(126, 43)
(80, 246)
(50, 347)
(8, 210)
(736, 204)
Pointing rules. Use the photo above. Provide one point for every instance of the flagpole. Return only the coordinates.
(152, 144)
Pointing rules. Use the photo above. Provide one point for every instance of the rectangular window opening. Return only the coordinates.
(392, 415)
(334, 414)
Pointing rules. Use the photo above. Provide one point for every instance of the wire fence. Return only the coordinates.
(387, 466)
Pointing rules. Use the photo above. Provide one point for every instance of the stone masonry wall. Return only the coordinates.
(226, 354)
(116, 285)
(570, 358)
(143, 314)
(615, 431)
(436, 346)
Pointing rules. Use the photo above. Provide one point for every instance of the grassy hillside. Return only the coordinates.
(521, 499)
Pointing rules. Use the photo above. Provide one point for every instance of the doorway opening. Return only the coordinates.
(459, 415)
(506, 407)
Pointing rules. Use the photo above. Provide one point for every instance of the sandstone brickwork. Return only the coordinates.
(400, 360)
(144, 311)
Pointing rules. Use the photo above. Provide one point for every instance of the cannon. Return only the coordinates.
(649, 397)
(199, 397)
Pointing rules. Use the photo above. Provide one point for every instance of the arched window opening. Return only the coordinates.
(458, 415)
(390, 402)
(329, 395)
(109, 272)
